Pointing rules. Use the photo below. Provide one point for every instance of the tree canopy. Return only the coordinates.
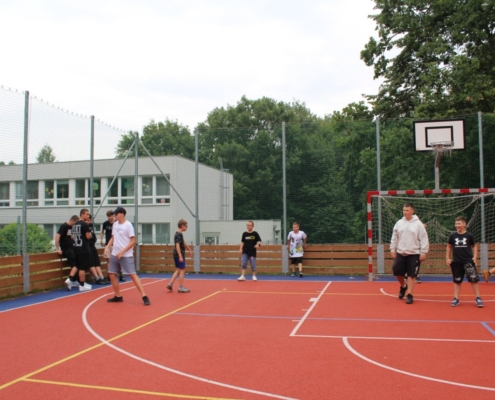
(46, 155)
(436, 57)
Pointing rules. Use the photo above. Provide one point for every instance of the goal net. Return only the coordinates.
(437, 209)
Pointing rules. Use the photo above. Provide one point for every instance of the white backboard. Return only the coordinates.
(427, 132)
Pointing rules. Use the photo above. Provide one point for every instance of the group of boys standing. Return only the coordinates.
(409, 246)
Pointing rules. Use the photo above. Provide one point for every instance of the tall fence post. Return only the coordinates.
(197, 249)
(136, 203)
(285, 258)
(483, 244)
(91, 165)
(25, 255)
(380, 248)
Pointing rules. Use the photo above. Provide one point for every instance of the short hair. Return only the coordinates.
(409, 205)
(461, 218)
(181, 223)
(74, 218)
(109, 212)
(83, 211)
(295, 223)
(252, 223)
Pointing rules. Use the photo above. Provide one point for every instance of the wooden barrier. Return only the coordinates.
(49, 270)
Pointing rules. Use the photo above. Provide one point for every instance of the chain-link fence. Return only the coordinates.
(55, 162)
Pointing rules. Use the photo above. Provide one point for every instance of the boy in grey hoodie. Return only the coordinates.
(409, 246)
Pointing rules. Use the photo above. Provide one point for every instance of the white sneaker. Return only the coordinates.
(68, 283)
(84, 288)
(254, 278)
(241, 278)
(75, 284)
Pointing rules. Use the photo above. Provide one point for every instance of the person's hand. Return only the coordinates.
(448, 262)
(59, 252)
(393, 254)
(422, 257)
(181, 259)
(190, 252)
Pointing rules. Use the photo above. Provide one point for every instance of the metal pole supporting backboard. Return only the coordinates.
(483, 244)
(136, 204)
(25, 255)
(380, 253)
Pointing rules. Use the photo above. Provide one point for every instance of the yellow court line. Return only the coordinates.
(349, 294)
(101, 344)
(113, 389)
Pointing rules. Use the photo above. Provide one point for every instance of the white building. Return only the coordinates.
(56, 191)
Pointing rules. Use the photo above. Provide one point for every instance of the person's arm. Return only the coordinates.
(107, 247)
(188, 248)
(57, 243)
(177, 249)
(475, 252)
(423, 242)
(242, 244)
(393, 242)
(258, 242)
(448, 252)
(305, 240)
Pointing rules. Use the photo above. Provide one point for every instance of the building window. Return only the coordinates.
(155, 190)
(81, 192)
(49, 230)
(162, 233)
(31, 193)
(147, 233)
(62, 191)
(162, 190)
(123, 186)
(4, 194)
(155, 233)
(49, 192)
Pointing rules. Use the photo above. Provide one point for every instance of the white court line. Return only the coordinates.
(398, 338)
(314, 300)
(349, 347)
(174, 371)
(434, 301)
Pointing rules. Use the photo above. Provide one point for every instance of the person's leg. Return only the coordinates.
(399, 270)
(181, 277)
(300, 268)
(252, 263)
(137, 283)
(115, 284)
(476, 289)
(244, 261)
(457, 290)
(113, 269)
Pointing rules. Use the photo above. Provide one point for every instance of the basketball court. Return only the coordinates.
(279, 337)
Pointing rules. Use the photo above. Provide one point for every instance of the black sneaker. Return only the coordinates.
(100, 282)
(402, 292)
(169, 287)
(115, 299)
(146, 301)
(409, 299)
(300, 275)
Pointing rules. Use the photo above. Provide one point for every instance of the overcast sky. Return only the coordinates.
(129, 61)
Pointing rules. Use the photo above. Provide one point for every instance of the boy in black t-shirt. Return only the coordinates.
(81, 236)
(63, 246)
(250, 241)
(180, 257)
(463, 247)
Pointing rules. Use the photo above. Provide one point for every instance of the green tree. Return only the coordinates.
(46, 155)
(436, 57)
(37, 240)
(161, 139)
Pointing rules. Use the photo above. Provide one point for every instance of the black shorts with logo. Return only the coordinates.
(458, 271)
(406, 264)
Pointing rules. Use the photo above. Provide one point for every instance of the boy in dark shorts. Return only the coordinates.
(180, 257)
(63, 246)
(408, 247)
(296, 243)
(94, 256)
(463, 247)
(81, 236)
(250, 241)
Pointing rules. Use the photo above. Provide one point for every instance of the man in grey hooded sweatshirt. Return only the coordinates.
(409, 246)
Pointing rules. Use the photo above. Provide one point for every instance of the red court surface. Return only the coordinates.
(296, 339)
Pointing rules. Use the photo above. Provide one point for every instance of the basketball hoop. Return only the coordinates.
(442, 147)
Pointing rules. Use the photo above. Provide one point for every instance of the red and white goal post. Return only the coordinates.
(437, 209)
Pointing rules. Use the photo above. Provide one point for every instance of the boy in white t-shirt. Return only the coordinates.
(296, 243)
